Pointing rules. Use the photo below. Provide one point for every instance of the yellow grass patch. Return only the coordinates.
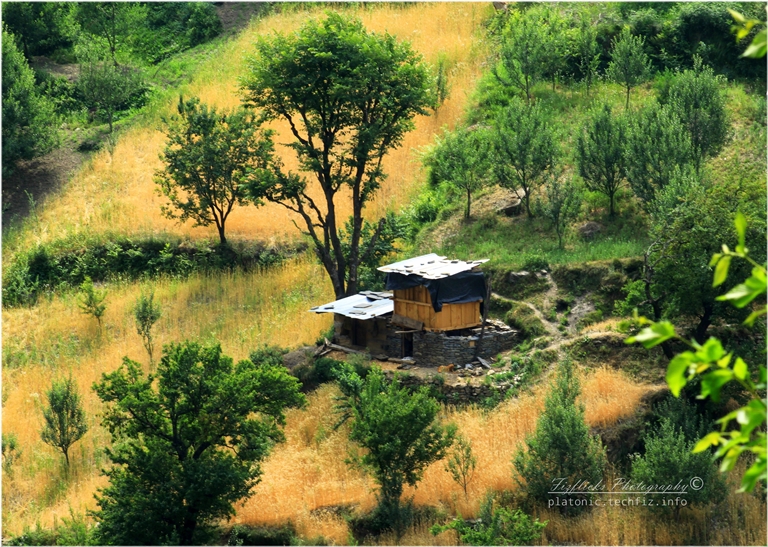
(115, 191)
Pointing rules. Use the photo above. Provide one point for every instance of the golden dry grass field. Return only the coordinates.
(114, 193)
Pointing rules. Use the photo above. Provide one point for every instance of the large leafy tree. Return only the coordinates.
(600, 153)
(399, 430)
(210, 158)
(349, 96)
(523, 53)
(40, 27)
(561, 447)
(525, 149)
(28, 118)
(107, 87)
(657, 147)
(113, 23)
(696, 96)
(188, 442)
(460, 159)
(64, 417)
(629, 66)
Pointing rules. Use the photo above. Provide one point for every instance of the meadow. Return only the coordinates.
(306, 480)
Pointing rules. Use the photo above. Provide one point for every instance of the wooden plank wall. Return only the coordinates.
(416, 303)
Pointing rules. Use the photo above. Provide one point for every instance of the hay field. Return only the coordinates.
(115, 191)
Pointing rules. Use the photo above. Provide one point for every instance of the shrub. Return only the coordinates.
(146, 313)
(64, 417)
(561, 448)
(461, 464)
(91, 301)
(523, 318)
(496, 526)
(11, 452)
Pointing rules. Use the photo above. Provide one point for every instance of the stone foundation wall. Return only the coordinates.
(460, 394)
(433, 349)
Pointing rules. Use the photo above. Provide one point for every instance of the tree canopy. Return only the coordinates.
(349, 97)
(188, 442)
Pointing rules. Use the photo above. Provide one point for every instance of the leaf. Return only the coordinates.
(739, 18)
(741, 227)
(740, 369)
(746, 292)
(654, 335)
(753, 474)
(712, 350)
(713, 381)
(721, 271)
(711, 439)
(676, 372)
(757, 48)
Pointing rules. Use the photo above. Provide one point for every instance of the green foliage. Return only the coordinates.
(29, 121)
(668, 460)
(350, 96)
(211, 159)
(523, 318)
(588, 51)
(600, 152)
(629, 64)
(561, 447)
(11, 452)
(107, 87)
(442, 86)
(696, 97)
(187, 443)
(64, 417)
(743, 27)
(460, 159)
(111, 25)
(172, 27)
(710, 363)
(399, 430)
(495, 526)
(41, 27)
(523, 52)
(91, 300)
(524, 149)
(146, 312)
(461, 463)
(657, 146)
(561, 204)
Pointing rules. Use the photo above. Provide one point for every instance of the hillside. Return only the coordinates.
(570, 299)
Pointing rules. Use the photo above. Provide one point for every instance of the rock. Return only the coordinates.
(518, 277)
(299, 357)
(589, 230)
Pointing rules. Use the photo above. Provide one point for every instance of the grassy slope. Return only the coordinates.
(114, 195)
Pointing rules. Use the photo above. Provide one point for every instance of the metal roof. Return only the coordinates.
(431, 266)
(366, 305)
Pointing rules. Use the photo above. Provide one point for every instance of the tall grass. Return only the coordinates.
(115, 191)
(241, 310)
(307, 476)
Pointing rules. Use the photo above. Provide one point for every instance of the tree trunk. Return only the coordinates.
(222, 237)
(469, 201)
(612, 210)
(704, 322)
(187, 532)
(66, 456)
(627, 105)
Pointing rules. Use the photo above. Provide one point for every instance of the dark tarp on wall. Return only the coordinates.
(456, 289)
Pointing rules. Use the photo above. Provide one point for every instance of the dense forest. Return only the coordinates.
(183, 181)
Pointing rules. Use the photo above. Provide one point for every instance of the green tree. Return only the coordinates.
(349, 97)
(600, 153)
(561, 451)
(495, 526)
(524, 148)
(556, 44)
(187, 443)
(657, 146)
(146, 312)
(111, 22)
(629, 64)
(399, 430)
(91, 300)
(523, 52)
(668, 460)
(461, 464)
(41, 27)
(460, 159)
(561, 204)
(696, 97)
(29, 122)
(588, 51)
(64, 417)
(714, 367)
(211, 158)
(107, 87)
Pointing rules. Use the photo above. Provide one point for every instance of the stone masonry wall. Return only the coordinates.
(432, 349)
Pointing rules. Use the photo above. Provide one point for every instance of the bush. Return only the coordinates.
(523, 318)
(262, 535)
(496, 526)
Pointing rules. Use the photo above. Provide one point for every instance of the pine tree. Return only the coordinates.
(561, 447)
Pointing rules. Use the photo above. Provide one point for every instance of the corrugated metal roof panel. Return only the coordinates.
(431, 266)
(366, 305)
